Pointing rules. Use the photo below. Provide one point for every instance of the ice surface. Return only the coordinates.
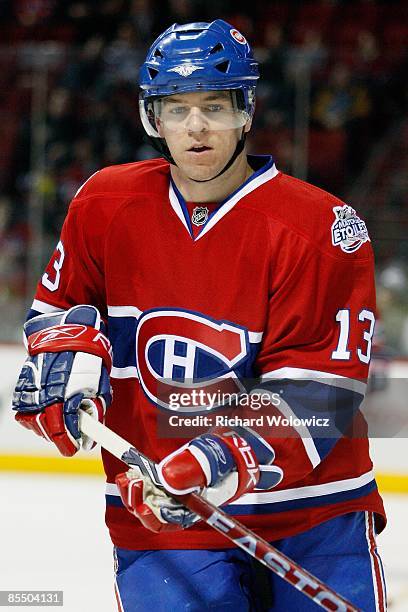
(53, 536)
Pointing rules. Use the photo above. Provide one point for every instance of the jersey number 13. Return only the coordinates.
(342, 351)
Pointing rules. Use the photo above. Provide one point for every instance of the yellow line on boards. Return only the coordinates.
(387, 482)
(392, 483)
(51, 465)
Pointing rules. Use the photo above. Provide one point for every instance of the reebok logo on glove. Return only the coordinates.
(59, 332)
(248, 456)
(75, 337)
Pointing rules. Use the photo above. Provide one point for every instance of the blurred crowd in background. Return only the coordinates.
(351, 55)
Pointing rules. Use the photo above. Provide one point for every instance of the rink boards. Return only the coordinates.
(387, 411)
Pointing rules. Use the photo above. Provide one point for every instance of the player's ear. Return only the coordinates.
(248, 125)
(159, 127)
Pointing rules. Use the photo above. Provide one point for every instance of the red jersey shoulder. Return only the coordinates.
(329, 224)
(109, 189)
(125, 179)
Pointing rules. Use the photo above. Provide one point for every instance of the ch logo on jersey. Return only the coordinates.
(181, 352)
(349, 232)
(200, 215)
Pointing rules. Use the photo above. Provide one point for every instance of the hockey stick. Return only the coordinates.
(229, 527)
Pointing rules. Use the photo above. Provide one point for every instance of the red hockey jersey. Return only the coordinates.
(276, 282)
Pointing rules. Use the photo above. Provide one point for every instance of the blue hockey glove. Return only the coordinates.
(221, 466)
(67, 368)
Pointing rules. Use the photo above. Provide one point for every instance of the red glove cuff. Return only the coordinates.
(246, 462)
(71, 337)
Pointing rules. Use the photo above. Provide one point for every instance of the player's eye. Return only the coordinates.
(213, 108)
(178, 110)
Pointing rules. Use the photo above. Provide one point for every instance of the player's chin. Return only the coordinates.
(203, 175)
(200, 171)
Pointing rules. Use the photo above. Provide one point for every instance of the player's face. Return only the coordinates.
(201, 130)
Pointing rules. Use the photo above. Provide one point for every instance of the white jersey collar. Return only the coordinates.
(266, 173)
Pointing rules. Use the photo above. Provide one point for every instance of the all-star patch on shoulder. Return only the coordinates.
(200, 215)
(349, 232)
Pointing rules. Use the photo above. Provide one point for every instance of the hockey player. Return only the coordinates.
(198, 271)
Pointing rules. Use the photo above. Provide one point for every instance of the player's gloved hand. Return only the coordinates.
(67, 368)
(222, 467)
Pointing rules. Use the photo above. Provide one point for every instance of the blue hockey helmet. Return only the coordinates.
(197, 57)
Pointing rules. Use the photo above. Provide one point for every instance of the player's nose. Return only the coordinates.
(196, 121)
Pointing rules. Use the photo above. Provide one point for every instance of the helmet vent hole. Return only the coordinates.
(158, 53)
(218, 47)
(223, 66)
(153, 73)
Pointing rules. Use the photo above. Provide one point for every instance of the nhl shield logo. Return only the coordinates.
(200, 215)
(348, 231)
